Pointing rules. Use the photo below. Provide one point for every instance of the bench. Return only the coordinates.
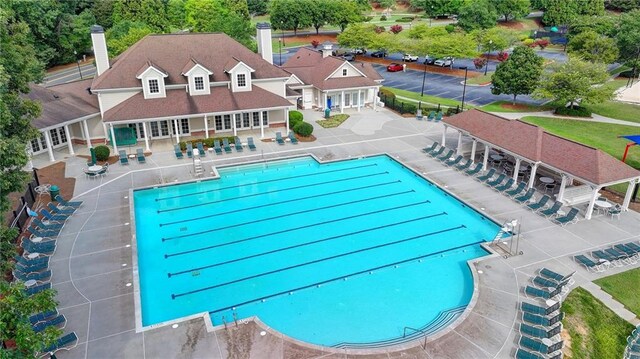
(576, 195)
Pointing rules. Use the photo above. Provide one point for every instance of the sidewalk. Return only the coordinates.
(611, 303)
(594, 118)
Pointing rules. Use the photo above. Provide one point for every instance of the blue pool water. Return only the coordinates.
(344, 252)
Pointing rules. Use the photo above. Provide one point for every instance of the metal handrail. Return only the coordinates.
(424, 345)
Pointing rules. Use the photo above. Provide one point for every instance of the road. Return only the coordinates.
(69, 75)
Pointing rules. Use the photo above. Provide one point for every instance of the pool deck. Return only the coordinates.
(92, 267)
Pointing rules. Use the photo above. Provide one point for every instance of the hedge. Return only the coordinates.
(102, 153)
(576, 111)
(303, 129)
(207, 142)
(295, 117)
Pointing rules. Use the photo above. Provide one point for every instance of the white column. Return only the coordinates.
(516, 169)
(473, 150)
(485, 159)
(444, 135)
(627, 197)
(47, 139)
(375, 98)
(233, 124)
(459, 148)
(146, 136)
(286, 117)
(532, 179)
(69, 144)
(592, 201)
(261, 124)
(342, 102)
(324, 99)
(113, 138)
(563, 185)
(359, 102)
(206, 127)
(85, 128)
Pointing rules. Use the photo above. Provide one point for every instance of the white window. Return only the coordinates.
(43, 141)
(199, 83)
(184, 126)
(35, 145)
(256, 119)
(245, 120)
(242, 80)
(344, 72)
(227, 122)
(153, 86)
(265, 118)
(218, 122)
(238, 120)
(55, 140)
(63, 135)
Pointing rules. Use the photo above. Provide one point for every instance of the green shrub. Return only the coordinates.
(451, 111)
(383, 18)
(386, 93)
(102, 153)
(303, 129)
(410, 108)
(404, 19)
(206, 142)
(367, 18)
(450, 28)
(295, 117)
(528, 42)
(523, 37)
(576, 111)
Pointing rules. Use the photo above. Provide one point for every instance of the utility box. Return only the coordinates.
(327, 113)
(54, 191)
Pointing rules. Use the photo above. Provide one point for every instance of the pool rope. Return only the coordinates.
(174, 296)
(302, 245)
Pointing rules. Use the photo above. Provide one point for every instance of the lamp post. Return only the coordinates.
(282, 31)
(464, 85)
(280, 51)
(424, 76)
(75, 54)
(486, 67)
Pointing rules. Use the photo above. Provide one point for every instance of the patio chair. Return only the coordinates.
(551, 211)
(66, 342)
(33, 268)
(431, 116)
(53, 217)
(238, 144)
(250, 143)
(534, 292)
(540, 204)
(140, 155)
(539, 332)
(604, 256)
(615, 211)
(39, 277)
(496, 181)
(178, 152)
(591, 265)
(445, 156)
(49, 227)
(58, 321)
(430, 149)
(279, 138)
(44, 248)
(124, 160)
(189, 149)
(475, 170)
(67, 204)
(464, 166)
(548, 273)
(37, 288)
(505, 186)
(569, 218)
(548, 283)
(485, 177)
(201, 150)
(516, 191)
(524, 354)
(539, 346)
(633, 246)
(626, 249)
(43, 233)
(452, 162)
(525, 197)
(61, 209)
(437, 152)
(34, 319)
(292, 138)
(225, 145)
(538, 310)
(439, 116)
(216, 147)
(543, 321)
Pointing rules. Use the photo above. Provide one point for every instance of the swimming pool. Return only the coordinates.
(337, 254)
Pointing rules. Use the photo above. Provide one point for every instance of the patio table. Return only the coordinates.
(94, 168)
(33, 255)
(36, 239)
(30, 283)
(547, 180)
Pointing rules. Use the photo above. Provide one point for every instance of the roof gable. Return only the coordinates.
(238, 65)
(345, 64)
(150, 67)
(193, 65)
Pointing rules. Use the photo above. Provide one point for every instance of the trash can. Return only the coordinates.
(327, 112)
(54, 191)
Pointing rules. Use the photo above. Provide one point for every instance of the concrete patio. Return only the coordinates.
(92, 267)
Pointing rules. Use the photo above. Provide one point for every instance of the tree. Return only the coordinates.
(593, 47)
(496, 39)
(519, 74)
(573, 81)
(559, 12)
(512, 9)
(215, 16)
(239, 7)
(342, 13)
(628, 37)
(455, 44)
(175, 14)
(76, 37)
(124, 34)
(258, 7)
(102, 11)
(590, 7)
(435, 8)
(478, 14)
(150, 12)
(358, 36)
(319, 12)
(622, 5)
(603, 25)
(288, 15)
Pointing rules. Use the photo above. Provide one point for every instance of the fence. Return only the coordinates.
(28, 198)
(403, 107)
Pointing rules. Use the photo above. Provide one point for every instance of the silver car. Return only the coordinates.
(445, 61)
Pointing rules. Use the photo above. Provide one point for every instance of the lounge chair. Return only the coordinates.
(446, 155)
(279, 138)
(65, 342)
(569, 218)
(140, 155)
(545, 272)
(225, 145)
(37, 288)
(538, 310)
(34, 319)
(40, 277)
(216, 147)
(602, 255)
(61, 210)
(628, 250)
(534, 292)
(505, 186)
(437, 152)
(551, 211)
(516, 191)
(539, 346)
(53, 217)
(58, 321)
(124, 160)
(622, 255)
(201, 150)
(453, 162)
(549, 283)
(73, 204)
(540, 204)
(49, 227)
(539, 332)
(189, 149)
(176, 149)
(238, 144)
(524, 354)
(43, 233)
(32, 268)
(525, 197)
(438, 116)
(475, 170)
(464, 166)
(431, 116)
(485, 177)
(591, 265)
(26, 262)
(292, 138)
(44, 248)
(633, 246)
(250, 143)
(430, 149)
(496, 181)
(542, 320)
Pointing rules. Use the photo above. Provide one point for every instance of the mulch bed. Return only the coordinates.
(517, 106)
(308, 38)
(54, 175)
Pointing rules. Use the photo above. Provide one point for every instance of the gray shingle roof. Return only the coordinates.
(63, 103)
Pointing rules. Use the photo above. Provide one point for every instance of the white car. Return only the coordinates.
(445, 61)
(410, 58)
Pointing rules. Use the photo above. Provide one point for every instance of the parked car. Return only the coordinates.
(445, 61)
(348, 57)
(379, 53)
(429, 60)
(409, 58)
(358, 51)
(395, 67)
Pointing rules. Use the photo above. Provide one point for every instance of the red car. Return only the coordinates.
(394, 67)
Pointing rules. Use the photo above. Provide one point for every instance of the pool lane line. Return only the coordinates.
(279, 202)
(315, 261)
(334, 279)
(200, 204)
(287, 215)
(303, 244)
(266, 181)
(293, 229)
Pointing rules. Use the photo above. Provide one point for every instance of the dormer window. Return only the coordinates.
(199, 83)
(344, 72)
(153, 86)
(242, 80)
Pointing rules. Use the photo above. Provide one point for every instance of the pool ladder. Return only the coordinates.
(424, 344)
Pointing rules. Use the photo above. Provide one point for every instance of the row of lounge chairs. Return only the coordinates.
(433, 116)
(124, 158)
(632, 351)
(217, 147)
(291, 136)
(504, 184)
(542, 322)
(618, 255)
(35, 268)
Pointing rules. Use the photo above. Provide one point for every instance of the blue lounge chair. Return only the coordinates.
(604, 256)
(621, 255)
(250, 144)
(238, 144)
(505, 186)
(446, 155)
(43, 233)
(140, 156)
(430, 149)
(431, 116)
(626, 249)
(48, 227)
(543, 321)
(541, 293)
(64, 203)
(437, 152)
(279, 138)
(591, 265)
(37, 288)
(176, 149)
(32, 268)
(40, 317)
(525, 197)
(453, 162)
(225, 145)
(202, 153)
(53, 217)
(464, 166)
(189, 149)
(549, 283)
(551, 211)
(538, 310)
(57, 321)
(45, 248)
(216, 147)
(37, 276)
(475, 170)
(545, 272)
(569, 218)
(60, 209)
(65, 342)
(292, 138)
(516, 191)
(485, 177)
(633, 246)
(439, 116)
(28, 263)
(539, 332)
(540, 204)
(524, 354)
(123, 157)
(496, 181)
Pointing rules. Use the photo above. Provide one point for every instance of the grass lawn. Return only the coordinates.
(614, 109)
(619, 288)
(333, 121)
(596, 331)
(426, 98)
(480, 80)
(506, 106)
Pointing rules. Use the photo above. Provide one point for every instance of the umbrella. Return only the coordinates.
(93, 156)
(554, 29)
